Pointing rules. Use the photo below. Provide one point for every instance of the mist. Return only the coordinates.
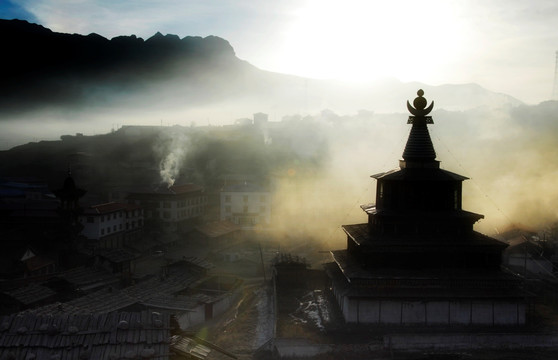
(320, 164)
(508, 154)
(120, 159)
(322, 142)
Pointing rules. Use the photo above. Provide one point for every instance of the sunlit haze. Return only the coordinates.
(363, 40)
(360, 179)
(504, 46)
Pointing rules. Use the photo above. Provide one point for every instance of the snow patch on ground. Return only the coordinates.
(312, 308)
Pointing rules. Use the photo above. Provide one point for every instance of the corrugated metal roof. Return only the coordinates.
(243, 187)
(112, 207)
(199, 262)
(115, 255)
(217, 228)
(177, 302)
(186, 188)
(88, 276)
(108, 300)
(166, 190)
(189, 348)
(31, 293)
(38, 262)
(93, 336)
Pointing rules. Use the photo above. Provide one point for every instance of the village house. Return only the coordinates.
(112, 225)
(172, 207)
(527, 254)
(246, 204)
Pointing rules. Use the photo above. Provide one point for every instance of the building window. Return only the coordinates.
(227, 198)
(102, 231)
(262, 209)
(262, 198)
(166, 215)
(245, 209)
(166, 204)
(90, 219)
(227, 209)
(114, 228)
(245, 198)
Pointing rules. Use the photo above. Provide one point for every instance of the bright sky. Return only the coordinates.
(506, 46)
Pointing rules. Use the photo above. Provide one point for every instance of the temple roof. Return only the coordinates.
(352, 280)
(419, 174)
(360, 234)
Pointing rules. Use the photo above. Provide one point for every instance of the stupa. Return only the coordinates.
(418, 260)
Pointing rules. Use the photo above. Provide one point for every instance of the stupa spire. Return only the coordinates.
(419, 150)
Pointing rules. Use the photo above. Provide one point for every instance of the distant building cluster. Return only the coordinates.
(130, 247)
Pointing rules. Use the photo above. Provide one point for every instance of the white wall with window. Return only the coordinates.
(108, 219)
(172, 205)
(245, 204)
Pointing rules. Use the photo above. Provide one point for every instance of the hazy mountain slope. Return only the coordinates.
(45, 68)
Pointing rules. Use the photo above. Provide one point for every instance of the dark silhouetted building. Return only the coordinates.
(418, 260)
(69, 194)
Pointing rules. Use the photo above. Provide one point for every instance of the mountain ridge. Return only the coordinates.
(40, 60)
(49, 69)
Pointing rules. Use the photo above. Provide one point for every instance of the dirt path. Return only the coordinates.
(245, 327)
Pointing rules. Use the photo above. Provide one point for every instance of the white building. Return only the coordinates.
(171, 206)
(246, 205)
(112, 224)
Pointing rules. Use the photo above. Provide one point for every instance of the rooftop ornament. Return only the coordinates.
(420, 110)
(419, 150)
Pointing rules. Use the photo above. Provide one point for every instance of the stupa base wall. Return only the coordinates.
(433, 312)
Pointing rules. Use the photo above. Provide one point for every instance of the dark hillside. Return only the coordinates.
(45, 67)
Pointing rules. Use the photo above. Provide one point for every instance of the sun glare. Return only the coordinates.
(363, 40)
